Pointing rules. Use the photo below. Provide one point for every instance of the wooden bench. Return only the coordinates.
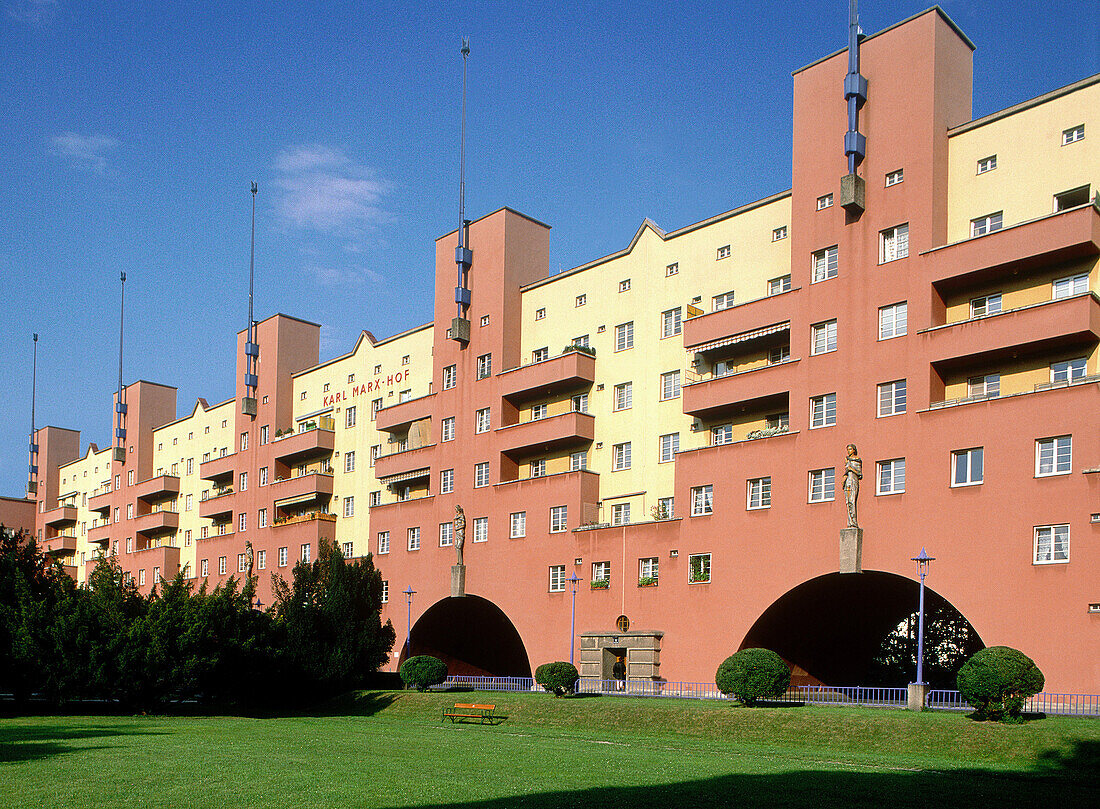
(464, 711)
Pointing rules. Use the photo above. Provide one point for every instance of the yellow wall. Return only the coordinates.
(1017, 291)
(1020, 376)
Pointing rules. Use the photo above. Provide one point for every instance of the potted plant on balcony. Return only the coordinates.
(600, 584)
(647, 581)
(583, 349)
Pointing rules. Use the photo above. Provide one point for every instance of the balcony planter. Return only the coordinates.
(700, 579)
(647, 581)
(589, 350)
(601, 584)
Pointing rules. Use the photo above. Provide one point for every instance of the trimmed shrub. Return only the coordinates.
(997, 681)
(559, 678)
(422, 671)
(752, 675)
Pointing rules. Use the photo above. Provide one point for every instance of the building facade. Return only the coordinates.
(656, 439)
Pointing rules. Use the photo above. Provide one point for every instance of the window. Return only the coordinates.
(538, 468)
(620, 514)
(986, 386)
(891, 476)
(349, 461)
(377, 370)
(699, 568)
(1073, 134)
(130, 475)
(244, 441)
(484, 321)
(670, 445)
(581, 300)
(484, 366)
(671, 323)
(413, 535)
(305, 552)
(1051, 544)
(538, 412)
(760, 493)
(578, 460)
(721, 434)
(446, 481)
(481, 529)
(702, 500)
(672, 269)
(620, 456)
(188, 501)
(987, 164)
(822, 485)
(557, 578)
(481, 474)
(301, 398)
(404, 396)
(1067, 371)
(1070, 285)
(825, 263)
(242, 563)
(447, 429)
(823, 410)
(891, 398)
(243, 481)
(518, 522)
(540, 355)
(894, 243)
(242, 521)
(540, 313)
(623, 396)
(347, 549)
(383, 542)
(349, 417)
(624, 285)
(895, 177)
(648, 571)
(186, 537)
(141, 577)
(723, 252)
(375, 499)
(282, 556)
(968, 466)
(191, 461)
(375, 406)
(723, 301)
(986, 224)
(580, 403)
(261, 560)
(450, 377)
(779, 354)
(349, 506)
(780, 284)
(824, 202)
(482, 421)
(385, 591)
(624, 336)
(204, 567)
(1072, 198)
(780, 421)
(985, 305)
(779, 233)
(666, 507)
(823, 337)
(559, 517)
(1053, 456)
(375, 451)
(893, 320)
(601, 572)
(221, 565)
(581, 341)
(261, 518)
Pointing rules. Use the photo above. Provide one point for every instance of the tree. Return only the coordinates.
(949, 640)
(998, 680)
(753, 674)
(422, 671)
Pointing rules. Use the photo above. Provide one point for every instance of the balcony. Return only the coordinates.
(1062, 236)
(544, 435)
(217, 506)
(99, 535)
(166, 557)
(219, 469)
(408, 462)
(305, 528)
(101, 502)
(304, 447)
(396, 418)
(763, 387)
(60, 546)
(89, 566)
(580, 487)
(61, 516)
(301, 489)
(1038, 329)
(738, 320)
(571, 370)
(158, 488)
(156, 523)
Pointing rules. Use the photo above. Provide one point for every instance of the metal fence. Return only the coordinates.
(850, 696)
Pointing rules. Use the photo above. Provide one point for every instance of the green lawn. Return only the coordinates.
(382, 749)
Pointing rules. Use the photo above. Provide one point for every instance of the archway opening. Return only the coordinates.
(472, 636)
(860, 629)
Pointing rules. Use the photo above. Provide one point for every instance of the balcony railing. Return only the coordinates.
(568, 371)
(61, 516)
(1042, 386)
(766, 386)
(304, 446)
(546, 434)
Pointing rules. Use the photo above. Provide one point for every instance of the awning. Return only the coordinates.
(743, 337)
(298, 498)
(401, 477)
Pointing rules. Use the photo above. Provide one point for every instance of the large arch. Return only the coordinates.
(831, 628)
(473, 636)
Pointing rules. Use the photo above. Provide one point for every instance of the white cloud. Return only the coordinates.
(87, 152)
(320, 188)
(33, 12)
(329, 276)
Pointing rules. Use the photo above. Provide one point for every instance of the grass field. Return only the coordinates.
(389, 749)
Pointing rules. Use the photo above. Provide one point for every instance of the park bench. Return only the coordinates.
(464, 711)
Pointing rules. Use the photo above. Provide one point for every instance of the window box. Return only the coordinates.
(601, 584)
(647, 581)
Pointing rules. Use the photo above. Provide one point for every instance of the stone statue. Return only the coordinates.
(249, 556)
(853, 474)
(459, 532)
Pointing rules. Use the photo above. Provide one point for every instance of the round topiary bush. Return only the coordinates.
(998, 680)
(559, 678)
(753, 674)
(422, 671)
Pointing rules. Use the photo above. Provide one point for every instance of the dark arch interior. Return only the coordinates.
(472, 636)
(832, 627)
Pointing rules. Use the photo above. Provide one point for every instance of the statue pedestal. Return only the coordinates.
(917, 696)
(458, 581)
(851, 550)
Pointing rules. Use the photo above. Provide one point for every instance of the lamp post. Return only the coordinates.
(573, 618)
(922, 567)
(409, 593)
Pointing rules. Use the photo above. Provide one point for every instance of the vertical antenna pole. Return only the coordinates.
(855, 93)
(120, 405)
(463, 254)
(251, 349)
(32, 477)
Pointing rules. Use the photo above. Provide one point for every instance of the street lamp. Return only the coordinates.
(922, 567)
(409, 593)
(573, 618)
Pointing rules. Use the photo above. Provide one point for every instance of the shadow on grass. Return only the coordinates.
(18, 743)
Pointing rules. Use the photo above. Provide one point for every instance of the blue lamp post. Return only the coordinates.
(573, 618)
(922, 561)
(409, 593)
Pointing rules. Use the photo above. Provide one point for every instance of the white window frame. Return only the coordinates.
(1073, 134)
(483, 420)
(722, 301)
(580, 300)
(824, 264)
(621, 456)
(578, 460)
(722, 252)
(349, 506)
(670, 385)
(349, 461)
(758, 493)
(824, 201)
(890, 476)
(446, 481)
(649, 567)
(777, 286)
(624, 336)
(779, 233)
(985, 305)
(1053, 456)
(349, 417)
(986, 386)
(893, 320)
(538, 468)
(991, 222)
(484, 366)
(518, 524)
(964, 470)
(557, 579)
(624, 397)
(383, 543)
(412, 538)
(672, 269)
(822, 411)
(987, 164)
(447, 429)
(559, 519)
(895, 177)
(481, 529)
(699, 568)
(1068, 370)
(893, 243)
(671, 323)
(601, 571)
(822, 485)
(620, 514)
(481, 474)
(1051, 544)
(823, 337)
(721, 434)
(1069, 286)
(446, 534)
(450, 377)
(892, 398)
(284, 553)
(702, 500)
(668, 445)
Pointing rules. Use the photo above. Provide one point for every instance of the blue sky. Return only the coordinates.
(131, 131)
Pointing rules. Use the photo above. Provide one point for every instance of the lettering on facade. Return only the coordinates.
(366, 387)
